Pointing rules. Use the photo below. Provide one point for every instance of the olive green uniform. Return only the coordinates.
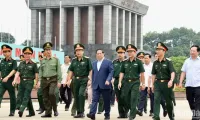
(163, 71)
(6, 67)
(130, 89)
(73, 110)
(121, 104)
(27, 75)
(81, 71)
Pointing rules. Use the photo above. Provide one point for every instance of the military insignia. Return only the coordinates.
(9, 63)
(82, 63)
(27, 49)
(29, 66)
(159, 44)
(4, 47)
(164, 65)
(126, 65)
(142, 54)
(120, 48)
(78, 45)
(129, 46)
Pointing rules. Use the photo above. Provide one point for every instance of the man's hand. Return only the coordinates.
(112, 81)
(89, 82)
(119, 85)
(149, 90)
(170, 83)
(68, 83)
(58, 85)
(180, 85)
(107, 83)
(13, 83)
(5, 79)
(142, 87)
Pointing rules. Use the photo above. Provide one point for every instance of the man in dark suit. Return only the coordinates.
(102, 73)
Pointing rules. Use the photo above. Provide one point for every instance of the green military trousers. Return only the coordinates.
(121, 103)
(49, 97)
(40, 98)
(130, 93)
(25, 89)
(80, 87)
(73, 110)
(161, 89)
(11, 90)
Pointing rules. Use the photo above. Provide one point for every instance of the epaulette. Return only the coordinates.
(86, 57)
(168, 59)
(126, 59)
(74, 58)
(31, 61)
(115, 60)
(54, 57)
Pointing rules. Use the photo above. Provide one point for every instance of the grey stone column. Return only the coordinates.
(107, 14)
(42, 28)
(35, 27)
(139, 32)
(63, 26)
(121, 29)
(91, 25)
(49, 25)
(134, 29)
(127, 28)
(76, 25)
(115, 16)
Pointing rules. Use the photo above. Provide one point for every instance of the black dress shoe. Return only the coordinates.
(41, 111)
(92, 117)
(11, 114)
(56, 113)
(46, 116)
(107, 118)
(165, 113)
(80, 115)
(99, 112)
(139, 113)
(151, 114)
(20, 113)
(30, 115)
(66, 109)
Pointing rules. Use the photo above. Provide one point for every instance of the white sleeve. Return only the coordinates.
(183, 69)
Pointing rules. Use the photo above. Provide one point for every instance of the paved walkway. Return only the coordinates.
(182, 112)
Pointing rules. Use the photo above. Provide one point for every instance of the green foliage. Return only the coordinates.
(178, 40)
(7, 37)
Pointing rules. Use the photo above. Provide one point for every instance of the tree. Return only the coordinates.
(7, 37)
(25, 43)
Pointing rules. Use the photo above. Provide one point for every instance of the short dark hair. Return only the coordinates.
(100, 49)
(21, 56)
(148, 55)
(198, 48)
(68, 56)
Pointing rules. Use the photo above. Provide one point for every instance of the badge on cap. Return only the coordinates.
(27, 49)
(159, 44)
(4, 47)
(129, 46)
(142, 54)
(120, 48)
(78, 45)
(48, 45)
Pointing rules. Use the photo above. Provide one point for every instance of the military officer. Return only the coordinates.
(50, 78)
(81, 68)
(8, 67)
(140, 56)
(132, 72)
(117, 67)
(163, 75)
(27, 71)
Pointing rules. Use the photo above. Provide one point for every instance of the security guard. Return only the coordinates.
(132, 71)
(81, 68)
(50, 78)
(8, 67)
(27, 71)
(163, 74)
(117, 67)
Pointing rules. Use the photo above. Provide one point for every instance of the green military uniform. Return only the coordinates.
(73, 110)
(27, 73)
(117, 68)
(50, 75)
(162, 70)
(131, 70)
(80, 71)
(6, 66)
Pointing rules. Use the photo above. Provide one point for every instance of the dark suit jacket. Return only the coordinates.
(105, 73)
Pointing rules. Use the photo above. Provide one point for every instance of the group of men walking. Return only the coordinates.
(132, 78)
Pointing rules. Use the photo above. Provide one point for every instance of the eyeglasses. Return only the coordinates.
(6, 51)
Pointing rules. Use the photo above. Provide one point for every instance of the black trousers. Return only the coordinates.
(193, 97)
(66, 95)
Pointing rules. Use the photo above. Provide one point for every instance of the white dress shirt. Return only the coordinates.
(147, 73)
(192, 69)
(99, 64)
(64, 70)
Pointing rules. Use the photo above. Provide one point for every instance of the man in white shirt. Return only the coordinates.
(191, 69)
(143, 94)
(63, 89)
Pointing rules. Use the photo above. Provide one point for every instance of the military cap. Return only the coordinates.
(120, 49)
(140, 54)
(160, 45)
(78, 46)
(5, 47)
(27, 50)
(47, 45)
(131, 47)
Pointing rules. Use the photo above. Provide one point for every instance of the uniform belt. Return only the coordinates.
(131, 79)
(81, 77)
(27, 79)
(163, 80)
(48, 78)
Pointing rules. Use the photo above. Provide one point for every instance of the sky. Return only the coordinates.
(162, 15)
